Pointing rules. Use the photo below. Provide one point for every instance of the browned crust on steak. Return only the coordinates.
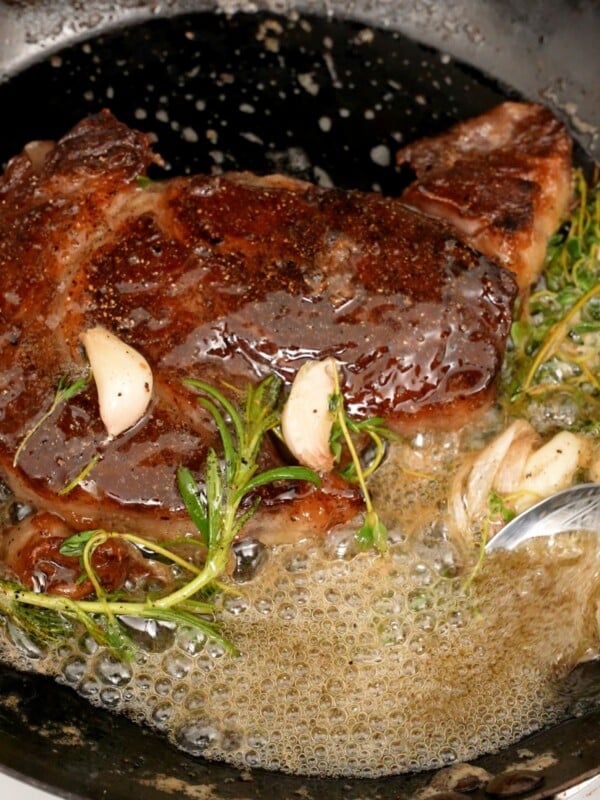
(503, 179)
(224, 278)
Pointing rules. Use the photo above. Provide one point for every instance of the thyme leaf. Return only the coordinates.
(372, 532)
(65, 391)
(552, 365)
(499, 509)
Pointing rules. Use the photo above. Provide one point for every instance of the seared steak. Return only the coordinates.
(225, 278)
(502, 179)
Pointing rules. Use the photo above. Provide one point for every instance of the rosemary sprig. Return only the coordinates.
(553, 359)
(53, 617)
(64, 391)
(219, 510)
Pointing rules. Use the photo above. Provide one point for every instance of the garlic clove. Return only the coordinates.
(553, 466)
(123, 379)
(306, 420)
(487, 465)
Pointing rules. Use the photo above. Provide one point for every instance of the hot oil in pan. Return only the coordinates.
(325, 100)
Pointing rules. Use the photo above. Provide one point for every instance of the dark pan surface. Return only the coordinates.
(310, 96)
(320, 98)
(545, 49)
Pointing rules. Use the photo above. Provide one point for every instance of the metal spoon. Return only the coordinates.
(573, 509)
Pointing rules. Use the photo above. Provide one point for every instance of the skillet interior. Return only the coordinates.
(310, 97)
(325, 99)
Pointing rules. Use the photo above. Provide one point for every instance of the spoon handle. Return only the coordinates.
(573, 509)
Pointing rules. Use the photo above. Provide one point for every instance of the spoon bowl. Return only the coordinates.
(573, 509)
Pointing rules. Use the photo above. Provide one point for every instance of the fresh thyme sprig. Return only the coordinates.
(554, 356)
(65, 391)
(372, 532)
(81, 476)
(219, 511)
(374, 428)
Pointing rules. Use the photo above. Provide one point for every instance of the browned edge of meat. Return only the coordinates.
(229, 278)
(502, 179)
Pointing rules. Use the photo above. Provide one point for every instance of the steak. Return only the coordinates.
(502, 179)
(226, 278)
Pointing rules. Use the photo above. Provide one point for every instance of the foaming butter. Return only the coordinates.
(359, 664)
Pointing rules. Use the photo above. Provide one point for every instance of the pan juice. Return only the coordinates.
(358, 664)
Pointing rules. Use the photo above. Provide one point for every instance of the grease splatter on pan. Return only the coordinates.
(325, 100)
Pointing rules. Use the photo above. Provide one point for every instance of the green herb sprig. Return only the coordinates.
(219, 509)
(553, 360)
(65, 391)
(373, 532)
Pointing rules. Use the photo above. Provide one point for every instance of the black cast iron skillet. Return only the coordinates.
(326, 93)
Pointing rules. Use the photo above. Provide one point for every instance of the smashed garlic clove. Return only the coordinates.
(475, 479)
(510, 473)
(123, 379)
(487, 465)
(306, 420)
(553, 466)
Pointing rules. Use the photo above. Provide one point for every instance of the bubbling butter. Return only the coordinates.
(358, 664)
(361, 664)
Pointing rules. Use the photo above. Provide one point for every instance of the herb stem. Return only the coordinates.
(556, 335)
(64, 392)
(212, 569)
(341, 420)
(158, 550)
(65, 605)
(88, 551)
(379, 454)
(81, 476)
(372, 532)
